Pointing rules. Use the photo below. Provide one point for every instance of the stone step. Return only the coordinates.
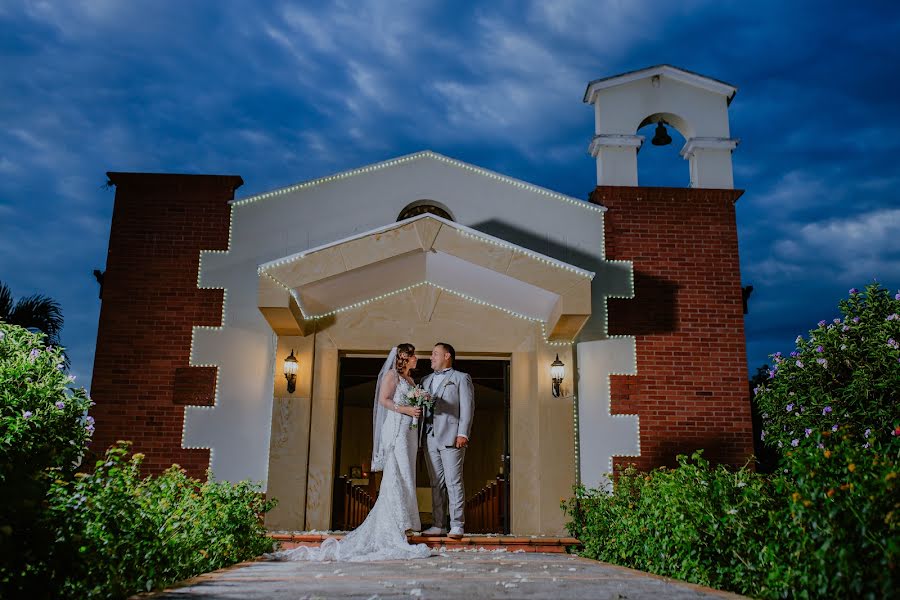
(510, 543)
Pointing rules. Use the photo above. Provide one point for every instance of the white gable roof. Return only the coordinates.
(683, 75)
(422, 155)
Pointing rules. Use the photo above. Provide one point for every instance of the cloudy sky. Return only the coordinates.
(280, 92)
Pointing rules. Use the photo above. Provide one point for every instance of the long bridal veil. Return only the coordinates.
(382, 535)
(379, 412)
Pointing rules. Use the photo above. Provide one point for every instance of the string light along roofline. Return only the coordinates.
(413, 157)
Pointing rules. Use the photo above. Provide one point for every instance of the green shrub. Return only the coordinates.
(838, 527)
(846, 374)
(698, 523)
(108, 533)
(44, 428)
(826, 523)
(122, 533)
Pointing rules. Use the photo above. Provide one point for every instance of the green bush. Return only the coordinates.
(44, 428)
(698, 523)
(828, 526)
(838, 526)
(107, 533)
(846, 374)
(826, 523)
(122, 533)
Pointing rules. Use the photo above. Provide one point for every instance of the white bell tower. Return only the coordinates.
(695, 105)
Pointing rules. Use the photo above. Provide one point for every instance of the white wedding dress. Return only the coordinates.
(382, 536)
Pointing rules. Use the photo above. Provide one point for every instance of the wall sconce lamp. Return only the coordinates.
(290, 372)
(557, 373)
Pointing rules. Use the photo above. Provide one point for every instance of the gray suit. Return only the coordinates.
(454, 407)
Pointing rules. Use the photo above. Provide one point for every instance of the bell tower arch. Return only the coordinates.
(695, 105)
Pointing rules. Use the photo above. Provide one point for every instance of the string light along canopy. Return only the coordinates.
(300, 289)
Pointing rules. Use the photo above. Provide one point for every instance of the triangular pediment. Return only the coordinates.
(424, 155)
(425, 256)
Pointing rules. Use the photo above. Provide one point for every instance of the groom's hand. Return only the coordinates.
(461, 442)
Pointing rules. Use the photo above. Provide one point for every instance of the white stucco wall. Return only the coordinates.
(237, 428)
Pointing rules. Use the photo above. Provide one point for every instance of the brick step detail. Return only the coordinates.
(556, 545)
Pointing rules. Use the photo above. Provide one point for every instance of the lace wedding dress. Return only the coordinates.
(382, 536)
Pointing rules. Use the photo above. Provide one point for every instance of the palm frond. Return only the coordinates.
(6, 301)
(39, 311)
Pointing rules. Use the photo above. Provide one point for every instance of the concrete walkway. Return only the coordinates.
(455, 574)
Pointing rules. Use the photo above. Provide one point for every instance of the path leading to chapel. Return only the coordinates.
(465, 574)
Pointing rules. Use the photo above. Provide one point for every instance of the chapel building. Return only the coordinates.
(209, 299)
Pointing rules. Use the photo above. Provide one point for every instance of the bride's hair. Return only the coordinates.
(404, 353)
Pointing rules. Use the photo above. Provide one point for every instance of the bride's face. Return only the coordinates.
(410, 360)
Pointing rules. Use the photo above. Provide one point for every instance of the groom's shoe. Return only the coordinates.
(456, 533)
(432, 531)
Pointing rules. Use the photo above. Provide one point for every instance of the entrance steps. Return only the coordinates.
(471, 542)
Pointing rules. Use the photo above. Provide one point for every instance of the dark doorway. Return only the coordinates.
(487, 460)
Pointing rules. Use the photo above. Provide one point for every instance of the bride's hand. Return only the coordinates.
(414, 411)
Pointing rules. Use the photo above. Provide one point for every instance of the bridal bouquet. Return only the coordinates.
(418, 397)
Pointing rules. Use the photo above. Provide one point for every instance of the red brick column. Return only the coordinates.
(142, 380)
(690, 390)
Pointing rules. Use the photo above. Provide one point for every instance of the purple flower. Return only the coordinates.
(61, 366)
(799, 364)
(853, 291)
(837, 321)
(795, 443)
(89, 420)
(822, 362)
(795, 354)
(762, 436)
(789, 407)
(866, 433)
(60, 404)
(826, 410)
(856, 319)
(820, 445)
(34, 354)
(893, 317)
(772, 374)
(822, 323)
(820, 349)
(897, 297)
(866, 445)
(807, 431)
(845, 328)
(834, 427)
(27, 414)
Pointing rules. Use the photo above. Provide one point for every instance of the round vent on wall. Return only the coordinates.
(420, 207)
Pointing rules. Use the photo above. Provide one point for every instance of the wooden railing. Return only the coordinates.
(485, 510)
(357, 504)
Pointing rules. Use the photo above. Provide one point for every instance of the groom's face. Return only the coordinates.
(440, 358)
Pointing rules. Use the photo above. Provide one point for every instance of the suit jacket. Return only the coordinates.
(454, 406)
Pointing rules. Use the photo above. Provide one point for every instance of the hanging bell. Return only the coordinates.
(661, 137)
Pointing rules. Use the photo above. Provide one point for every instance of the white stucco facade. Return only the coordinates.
(268, 227)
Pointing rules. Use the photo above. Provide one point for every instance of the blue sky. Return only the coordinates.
(279, 92)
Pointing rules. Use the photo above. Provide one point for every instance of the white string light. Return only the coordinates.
(417, 156)
(538, 257)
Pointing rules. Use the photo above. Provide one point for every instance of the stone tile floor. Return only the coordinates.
(468, 574)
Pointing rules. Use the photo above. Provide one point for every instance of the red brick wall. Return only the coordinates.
(142, 380)
(690, 390)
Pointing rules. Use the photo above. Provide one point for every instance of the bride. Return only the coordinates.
(382, 536)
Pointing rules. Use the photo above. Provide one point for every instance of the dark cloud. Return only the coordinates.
(281, 92)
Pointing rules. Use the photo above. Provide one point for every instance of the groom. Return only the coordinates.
(446, 433)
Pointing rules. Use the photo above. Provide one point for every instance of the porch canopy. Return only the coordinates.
(427, 256)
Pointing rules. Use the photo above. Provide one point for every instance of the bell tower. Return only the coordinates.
(687, 380)
(695, 105)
